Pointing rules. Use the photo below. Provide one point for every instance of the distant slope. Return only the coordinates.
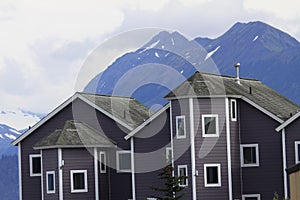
(265, 53)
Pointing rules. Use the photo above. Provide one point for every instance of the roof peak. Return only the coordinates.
(226, 76)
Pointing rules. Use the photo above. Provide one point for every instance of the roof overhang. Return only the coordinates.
(73, 146)
(61, 107)
(140, 127)
(287, 122)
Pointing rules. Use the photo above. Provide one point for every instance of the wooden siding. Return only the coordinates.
(155, 137)
(50, 164)
(292, 135)
(258, 128)
(182, 151)
(210, 150)
(235, 153)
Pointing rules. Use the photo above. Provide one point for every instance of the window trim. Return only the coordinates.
(217, 125)
(242, 155)
(169, 154)
(184, 130)
(118, 161)
(85, 181)
(102, 161)
(186, 171)
(233, 111)
(251, 195)
(297, 152)
(47, 188)
(219, 184)
(31, 164)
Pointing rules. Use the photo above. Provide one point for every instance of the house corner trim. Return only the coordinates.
(192, 137)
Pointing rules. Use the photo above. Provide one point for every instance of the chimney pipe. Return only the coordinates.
(237, 70)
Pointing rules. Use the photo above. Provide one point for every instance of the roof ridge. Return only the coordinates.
(105, 95)
(227, 76)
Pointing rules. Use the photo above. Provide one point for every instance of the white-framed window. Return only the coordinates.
(297, 152)
(79, 181)
(102, 159)
(123, 161)
(233, 110)
(212, 175)
(210, 125)
(169, 154)
(50, 182)
(249, 155)
(251, 197)
(35, 165)
(180, 127)
(182, 172)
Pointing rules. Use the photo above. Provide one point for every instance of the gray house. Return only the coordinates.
(233, 138)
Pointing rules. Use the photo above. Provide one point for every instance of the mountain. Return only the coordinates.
(7, 135)
(149, 73)
(265, 53)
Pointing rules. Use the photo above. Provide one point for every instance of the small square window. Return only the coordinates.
(79, 181)
(249, 155)
(182, 172)
(210, 126)
(297, 152)
(123, 161)
(50, 182)
(102, 158)
(180, 127)
(212, 175)
(251, 197)
(35, 165)
(168, 154)
(233, 110)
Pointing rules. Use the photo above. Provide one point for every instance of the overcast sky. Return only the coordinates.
(45, 42)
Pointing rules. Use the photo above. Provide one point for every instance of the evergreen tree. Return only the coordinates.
(171, 189)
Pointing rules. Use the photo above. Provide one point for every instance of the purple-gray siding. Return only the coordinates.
(258, 128)
(50, 159)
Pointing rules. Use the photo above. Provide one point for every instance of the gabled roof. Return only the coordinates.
(124, 110)
(74, 134)
(208, 85)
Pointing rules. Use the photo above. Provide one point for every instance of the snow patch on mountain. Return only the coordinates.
(10, 136)
(255, 38)
(211, 53)
(18, 119)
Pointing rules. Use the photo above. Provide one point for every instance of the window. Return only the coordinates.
(233, 110)
(249, 155)
(210, 126)
(35, 165)
(212, 175)
(50, 182)
(180, 127)
(182, 172)
(123, 161)
(251, 197)
(79, 181)
(297, 152)
(102, 159)
(168, 154)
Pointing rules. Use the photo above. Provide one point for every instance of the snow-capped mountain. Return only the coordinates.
(7, 135)
(264, 52)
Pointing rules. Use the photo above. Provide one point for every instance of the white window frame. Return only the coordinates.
(219, 184)
(251, 195)
(50, 191)
(85, 181)
(102, 171)
(31, 164)
(186, 171)
(233, 111)
(297, 152)
(184, 130)
(242, 155)
(118, 162)
(217, 125)
(169, 154)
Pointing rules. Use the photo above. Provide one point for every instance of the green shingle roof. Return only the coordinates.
(74, 134)
(126, 109)
(205, 85)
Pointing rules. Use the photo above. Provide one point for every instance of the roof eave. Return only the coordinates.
(287, 122)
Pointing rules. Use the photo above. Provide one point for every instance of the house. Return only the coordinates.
(232, 137)
(294, 176)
